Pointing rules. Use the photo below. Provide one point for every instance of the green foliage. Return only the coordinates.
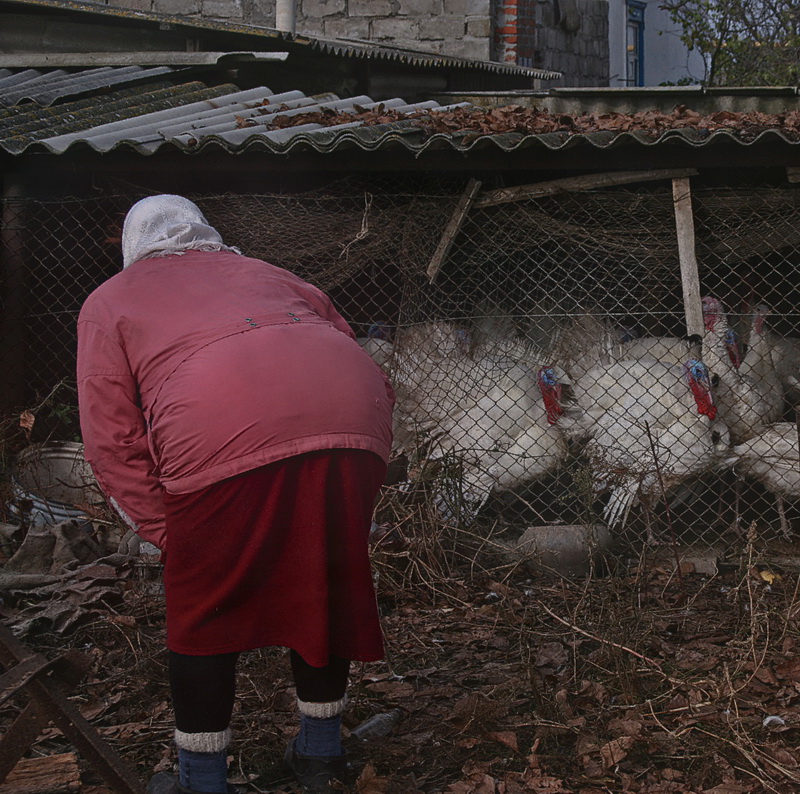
(743, 42)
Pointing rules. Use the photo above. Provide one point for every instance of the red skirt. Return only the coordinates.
(277, 556)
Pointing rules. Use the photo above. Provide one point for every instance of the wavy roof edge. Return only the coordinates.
(405, 136)
(506, 142)
(356, 48)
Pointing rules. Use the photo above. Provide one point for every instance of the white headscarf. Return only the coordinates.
(164, 225)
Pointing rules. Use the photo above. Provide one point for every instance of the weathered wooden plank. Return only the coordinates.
(51, 774)
(573, 184)
(690, 277)
(451, 230)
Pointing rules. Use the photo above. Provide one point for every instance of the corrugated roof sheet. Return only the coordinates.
(351, 48)
(201, 121)
(44, 88)
(23, 125)
(191, 118)
(222, 121)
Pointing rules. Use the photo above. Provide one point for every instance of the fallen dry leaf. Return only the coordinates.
(26, 422)
(551, 657)
(543, 783)
(369, 783)
(508, 738)
(783, 756)
(616, 750)
(394, 689)
(789, 669)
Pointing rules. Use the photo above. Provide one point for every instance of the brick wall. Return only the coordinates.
(568, 36)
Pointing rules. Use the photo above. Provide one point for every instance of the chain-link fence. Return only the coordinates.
(542, 367)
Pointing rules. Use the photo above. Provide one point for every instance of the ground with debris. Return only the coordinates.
(645, 679)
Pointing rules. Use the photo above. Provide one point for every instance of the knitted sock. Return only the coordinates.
(320, 728)
(202, 761)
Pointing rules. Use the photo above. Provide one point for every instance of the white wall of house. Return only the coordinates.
(665, 59)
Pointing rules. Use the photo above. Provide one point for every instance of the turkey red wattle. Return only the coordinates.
(732, 346)
(551, 393)
(712, 311)
(700, 384)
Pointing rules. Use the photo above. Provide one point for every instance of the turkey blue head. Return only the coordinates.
(700, 384)
(379, 330)
(551, 389)
(464, 340)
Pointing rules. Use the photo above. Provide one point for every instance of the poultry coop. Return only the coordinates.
(538, 344)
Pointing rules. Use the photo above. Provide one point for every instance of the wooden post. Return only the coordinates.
(451, 230)
(690, 277)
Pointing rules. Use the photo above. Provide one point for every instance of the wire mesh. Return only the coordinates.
(544, 377)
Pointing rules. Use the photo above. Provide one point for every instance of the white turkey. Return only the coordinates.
(785, 352)
(378, 344)
(759, 363)
(433, 378)
(773, 458)
(481, 421)
(673, 349)
(505, 438)
(650, 427)
(748, 398)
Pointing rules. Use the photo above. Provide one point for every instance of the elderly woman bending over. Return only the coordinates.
(234, 422)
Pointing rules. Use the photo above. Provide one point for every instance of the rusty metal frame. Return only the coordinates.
(44, 681)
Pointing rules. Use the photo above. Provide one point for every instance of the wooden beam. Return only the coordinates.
(451, 230)
(68, 719)
(690, 277)
(574, 184)
(69, 670)
(18, 676)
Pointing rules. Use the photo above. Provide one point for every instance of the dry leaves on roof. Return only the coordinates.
(530, 121)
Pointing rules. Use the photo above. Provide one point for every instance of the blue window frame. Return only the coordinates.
(634, 43)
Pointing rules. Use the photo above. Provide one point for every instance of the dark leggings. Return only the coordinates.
(204, 687)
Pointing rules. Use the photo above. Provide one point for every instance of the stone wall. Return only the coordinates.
(461, 28)
(572, 37)
(569, 36)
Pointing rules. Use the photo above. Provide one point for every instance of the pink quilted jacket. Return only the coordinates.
(198, 367)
